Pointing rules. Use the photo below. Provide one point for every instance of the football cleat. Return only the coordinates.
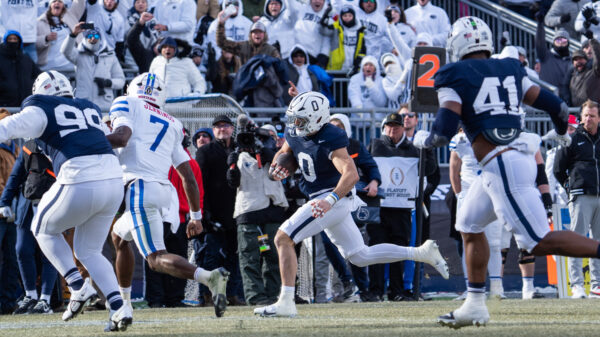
(26, 304)
(578, 292)
(120, 319)
(468, 314)
(78, 300)
(41, 307)
(279, 309)
(429, 253)
(217, 284)
(497, 291)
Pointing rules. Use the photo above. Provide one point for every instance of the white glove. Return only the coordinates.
(7, 213)
(419, 139)
(564, 140)
(369, 83)
(551, 135)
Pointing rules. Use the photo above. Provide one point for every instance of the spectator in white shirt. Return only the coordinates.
(176, 18)
(109, 22)
(427, 18)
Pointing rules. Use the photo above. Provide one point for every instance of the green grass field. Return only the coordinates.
(547, 317)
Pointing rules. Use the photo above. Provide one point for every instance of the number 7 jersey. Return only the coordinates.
(155, 142)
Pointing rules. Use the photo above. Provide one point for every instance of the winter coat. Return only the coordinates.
(554, 68)
(308, 30)
(19, 16)
(294, 76)
(345, 38)
(245, 49)
(180, 75)
(142, 56)
(89, 65)
(560, 8)
(585, 85)
(430, 19)
(280, 28)
(179, 16)
(111, 24)
(360, 95)
(70, 18)
(17, 74)
(577, 167)
(249, 78)
(236, 29)
(376, 38)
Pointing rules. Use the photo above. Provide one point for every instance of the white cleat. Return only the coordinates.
(578, 292)
(78, 300)
(120, 319)
(217, 284)
(429, 253)
(461, 297)
(497, 291)
(468, 314)
(279, 309)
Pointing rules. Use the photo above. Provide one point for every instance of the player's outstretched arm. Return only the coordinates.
(545, 100)
(119, 137)
(30, 123)
(190, 186)
(444, 127)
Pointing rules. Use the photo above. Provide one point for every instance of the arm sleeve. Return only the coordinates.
(440, 38)
(67, 49)
(552, 18)
(187, 20)
(134, 44)
(40, 41)
(561, 163)
(231, 46)
(30, 123)
(540, 42)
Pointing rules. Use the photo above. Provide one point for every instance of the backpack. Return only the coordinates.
(39, 172)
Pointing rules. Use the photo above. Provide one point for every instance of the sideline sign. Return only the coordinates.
(426, 62)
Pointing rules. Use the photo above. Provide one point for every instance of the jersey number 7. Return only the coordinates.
(161, 133)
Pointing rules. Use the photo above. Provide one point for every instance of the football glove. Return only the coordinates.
(420, 138)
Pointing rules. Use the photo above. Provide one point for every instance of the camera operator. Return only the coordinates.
(259, 210)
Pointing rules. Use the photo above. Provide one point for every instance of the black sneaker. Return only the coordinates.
(368, 296)
(42, 307)
(26, 304)
(299, 300)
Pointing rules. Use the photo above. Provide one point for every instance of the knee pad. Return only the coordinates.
(359, 258)
(525, 257)
(504, 253)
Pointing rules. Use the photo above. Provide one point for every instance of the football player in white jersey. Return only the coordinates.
(86, 194)
(149, 142)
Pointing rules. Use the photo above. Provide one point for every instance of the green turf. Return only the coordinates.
(549, 317)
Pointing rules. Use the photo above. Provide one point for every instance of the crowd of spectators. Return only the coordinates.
(210, 46)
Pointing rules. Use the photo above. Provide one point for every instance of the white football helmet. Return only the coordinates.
(307, 113)
(469, 34)
(148, 87)
(52, 83)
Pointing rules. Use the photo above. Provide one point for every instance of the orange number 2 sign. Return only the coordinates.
(426, 80)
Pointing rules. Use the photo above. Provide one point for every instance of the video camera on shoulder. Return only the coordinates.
(250, 138)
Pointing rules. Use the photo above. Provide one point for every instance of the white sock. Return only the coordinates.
(476, 297)
(45, 297)
(201, 275)
(125, 293)
(528, 283)
(31, 294)
(287, 293)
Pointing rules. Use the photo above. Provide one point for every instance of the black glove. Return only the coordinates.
(587, 24)
(565, 18)
(539, 16)
(589, 34)
(388, 15)
(547, 201)
(232, 158)
(107, 83)
(588, 13)
(594, 20)
(233, 177)
(100, 83)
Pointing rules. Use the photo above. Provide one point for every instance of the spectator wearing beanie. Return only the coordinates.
(256, 44)
(585, 78)
(202, 137)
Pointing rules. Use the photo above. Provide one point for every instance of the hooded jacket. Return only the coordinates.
(245, 49)
(180, 74)
(280, 28)
(554, 67)
(585, 85)
(111, 24)
(19, 16)
(17, 73)
(69, 18)
(308, 30)
(376, 38)
(237, 29)
(430, 19)
(392, 83)
(179, 16)
(560, 8)
(90, 64)
(360, 95)
(294, 76)
(348, 44)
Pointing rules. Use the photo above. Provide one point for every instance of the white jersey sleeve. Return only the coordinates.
(179, 155)
(119, 113)
(30, 123)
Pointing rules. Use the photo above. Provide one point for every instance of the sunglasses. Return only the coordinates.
(95, 36)
(203, 135)
(408, 115)
(560, 40)
(364, 1)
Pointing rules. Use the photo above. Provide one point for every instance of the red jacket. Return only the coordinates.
(184, 208)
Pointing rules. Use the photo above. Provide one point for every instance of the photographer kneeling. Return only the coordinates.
(259, 211)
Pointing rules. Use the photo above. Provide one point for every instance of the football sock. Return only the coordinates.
(115, 301)
(495, 263)
(476, 291)
(45, 297)
(58, 252)
(201, 275)
(287, 293)
(125, 293)
(31, 294)
(528, 283)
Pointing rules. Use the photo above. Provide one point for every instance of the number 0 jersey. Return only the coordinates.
(489, 90)
(313, 154)
(155, 142)
(71, 133)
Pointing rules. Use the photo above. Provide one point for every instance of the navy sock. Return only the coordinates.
(115, 300)
(74, 279)
(476, 287)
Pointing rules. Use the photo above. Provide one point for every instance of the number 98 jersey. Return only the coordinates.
(489, 90)
(313, 154)
(155, 142)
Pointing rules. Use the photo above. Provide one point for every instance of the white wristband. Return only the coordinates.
(196, 215)
(330, 199)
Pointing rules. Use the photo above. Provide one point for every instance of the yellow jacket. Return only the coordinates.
(337, 57)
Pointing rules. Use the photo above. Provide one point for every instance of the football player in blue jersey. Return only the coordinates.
(328, 179)
(87, 192)
(484, 94)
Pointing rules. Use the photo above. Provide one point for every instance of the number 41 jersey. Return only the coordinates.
(489, 90)
(155, 142)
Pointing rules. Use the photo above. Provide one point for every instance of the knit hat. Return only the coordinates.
(562, 33)
(573, 121)
(424, 37)
(168, 41)
(386, 58)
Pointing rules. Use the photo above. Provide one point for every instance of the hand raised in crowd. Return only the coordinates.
(145, 17)
(222, 16)
(588, 13)
(371, 188)
(194, 227)
(77, 29)
(51, 37)
(292, 91)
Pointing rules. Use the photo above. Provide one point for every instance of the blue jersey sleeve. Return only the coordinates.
(334, 138)
(448, 76)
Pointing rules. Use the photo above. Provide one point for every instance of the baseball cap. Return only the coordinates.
(258, 25)
(394, 117)
(578, 53)
(221, 118)
(573, 121)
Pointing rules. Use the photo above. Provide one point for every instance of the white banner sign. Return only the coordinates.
(399, 180)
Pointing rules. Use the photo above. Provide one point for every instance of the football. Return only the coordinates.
(287, 161)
